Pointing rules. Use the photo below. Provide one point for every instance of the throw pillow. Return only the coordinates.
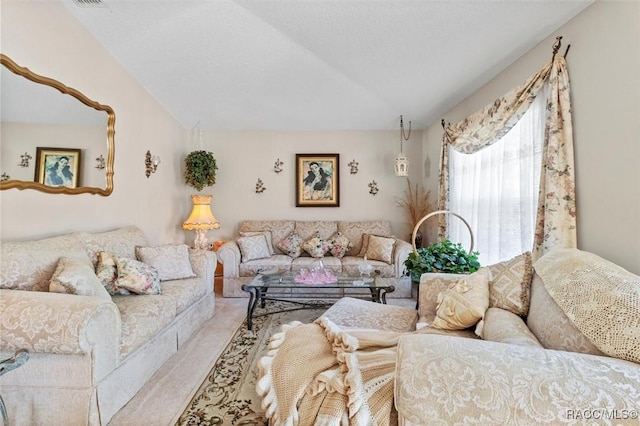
(137, 277)
(291, 246)
(107, 273)
(253, 247)
(510, 284)
(75, 277)
(464, 303)
(365, 245)
(380, 248)
(316, 246)
(171, 261)
(267, 235)
(339, 245)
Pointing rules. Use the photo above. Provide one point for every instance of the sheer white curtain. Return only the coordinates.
(496, 189)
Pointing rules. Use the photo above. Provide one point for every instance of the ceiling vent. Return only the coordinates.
(89, 3)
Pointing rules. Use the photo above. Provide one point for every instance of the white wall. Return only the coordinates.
(45, 37)
(604, 71)
(245, 157)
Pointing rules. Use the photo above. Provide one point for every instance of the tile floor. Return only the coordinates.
(164, 397)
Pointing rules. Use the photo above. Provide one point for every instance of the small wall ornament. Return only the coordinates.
(4, 177)
(260, 188)
(354, 166)
(100, 161)
(24, 160)
(373, 187)
(277, 167)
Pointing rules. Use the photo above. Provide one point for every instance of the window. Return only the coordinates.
(496, 189)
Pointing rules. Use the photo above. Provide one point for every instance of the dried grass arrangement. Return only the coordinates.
(416, 203)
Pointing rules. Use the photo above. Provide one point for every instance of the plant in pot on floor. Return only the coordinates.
(200, 171)
(444, 257)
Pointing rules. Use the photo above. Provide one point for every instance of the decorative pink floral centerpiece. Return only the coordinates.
(318, 275)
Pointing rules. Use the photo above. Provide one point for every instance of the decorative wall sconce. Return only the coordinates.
(401, 163)
(151, 164)
(277, 167)
(4, 177)
(373, 187)
(354, 166)
(24, 160)
(260, 188)
(100, 164)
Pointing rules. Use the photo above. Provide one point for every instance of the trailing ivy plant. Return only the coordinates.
(200, 169)
(443, 256)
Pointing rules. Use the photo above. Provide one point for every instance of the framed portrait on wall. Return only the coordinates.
(317, 180)
(58, 167)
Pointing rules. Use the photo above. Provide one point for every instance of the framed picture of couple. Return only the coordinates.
(317, 180)
(58, 167)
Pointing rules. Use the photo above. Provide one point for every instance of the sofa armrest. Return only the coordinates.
(473, 381)
(229, 255)
(204, 264)
(401, 254)
(58, 323)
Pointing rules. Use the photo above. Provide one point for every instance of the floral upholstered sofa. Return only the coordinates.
(288, 245)
(558, 343)
(91, 351)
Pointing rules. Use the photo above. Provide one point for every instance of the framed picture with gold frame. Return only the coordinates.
(317, 180)
(58, 167)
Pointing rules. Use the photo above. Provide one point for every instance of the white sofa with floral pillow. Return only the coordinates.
(99, 313)
(289, 245)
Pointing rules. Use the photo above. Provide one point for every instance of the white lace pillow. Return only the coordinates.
(267, 234)
(253, 247)
(137, 277)
(381, 248)
(171, 261)
(75, 277)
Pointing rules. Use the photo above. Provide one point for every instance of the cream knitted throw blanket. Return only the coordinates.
(322, 375)
(600, 298)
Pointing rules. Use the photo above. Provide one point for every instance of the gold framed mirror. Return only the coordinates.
(50, 134)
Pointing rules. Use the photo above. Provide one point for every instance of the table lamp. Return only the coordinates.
(201, 220)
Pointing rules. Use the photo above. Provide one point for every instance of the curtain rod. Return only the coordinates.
(556, 47)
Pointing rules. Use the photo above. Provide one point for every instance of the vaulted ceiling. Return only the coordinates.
(317, 64)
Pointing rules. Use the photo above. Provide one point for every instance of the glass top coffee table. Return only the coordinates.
(285, 287)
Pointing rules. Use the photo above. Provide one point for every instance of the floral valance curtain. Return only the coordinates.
(556, 213)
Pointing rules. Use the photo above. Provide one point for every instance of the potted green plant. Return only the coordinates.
(444, 257)
(200, 169)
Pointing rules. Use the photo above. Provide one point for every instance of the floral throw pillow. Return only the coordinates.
(316, 246)
(107, 273)
(137, 277)
(171, 261)
(75, 277)
(291, 246)
(339, 245)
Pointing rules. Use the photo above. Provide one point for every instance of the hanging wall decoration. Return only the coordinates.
(353, 166)
(100, 161)
(260, 188)
(24, 160)
(317, 180)
(373, 187)
(277, 167)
